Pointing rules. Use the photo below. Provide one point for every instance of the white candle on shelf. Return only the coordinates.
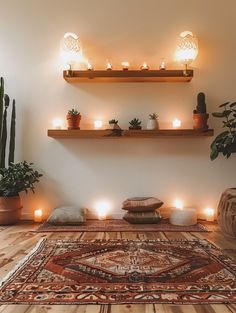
(210, 214)
(98, 124)
(176, 123)
(57, 123)
(145, 67)
(109, 65)
(125, 65)
(38, 215)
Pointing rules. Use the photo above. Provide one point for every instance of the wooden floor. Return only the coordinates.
(17, 241)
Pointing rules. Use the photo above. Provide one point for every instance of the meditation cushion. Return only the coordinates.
(142, 204)
(67, 216)
(142, 217)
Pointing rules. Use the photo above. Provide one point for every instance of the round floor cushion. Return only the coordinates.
(67, 215)
(142, 204)
(143, 217)
(226, 213)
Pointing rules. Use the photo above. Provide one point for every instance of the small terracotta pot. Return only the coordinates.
(200, 120)
(73, 121)
(135, 128)
(10, 210)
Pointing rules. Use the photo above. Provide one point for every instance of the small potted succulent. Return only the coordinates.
(153, 121)
(73, 119)
(135, 124)
(200, 116)
(114, 124)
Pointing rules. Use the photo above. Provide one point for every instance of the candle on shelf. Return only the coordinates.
(57, 123)
(162, 65)
(109, 65)
(144, 67)
(210, 214)
(125, 65)
(98, 124)
(38, 215)
(90, 66)
(176, 123)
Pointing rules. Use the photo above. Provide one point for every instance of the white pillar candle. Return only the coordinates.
(183, 217)
(98, 124)
(176, 123)
(57, 123)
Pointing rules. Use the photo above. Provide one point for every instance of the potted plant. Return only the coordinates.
(114, 124)
(73, 119)
(200, 116)
(135, 124)
(17, 177)
(13, 180)
(225, 142)
(153, 121)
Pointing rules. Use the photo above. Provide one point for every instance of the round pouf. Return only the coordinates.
(226, 212)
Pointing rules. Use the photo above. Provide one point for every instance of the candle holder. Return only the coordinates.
(109, 65)
(144, 67)
(125, 65)
(176, 123)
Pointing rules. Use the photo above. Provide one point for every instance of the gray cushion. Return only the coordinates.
(69, 215)
(142, 204)
(143, 217)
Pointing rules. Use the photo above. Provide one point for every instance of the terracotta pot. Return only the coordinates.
(73, 121)
(10, 210)
(200, 120)
(135, 128)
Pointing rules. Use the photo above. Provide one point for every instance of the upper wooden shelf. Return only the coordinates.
(120, 134)
(88, 76)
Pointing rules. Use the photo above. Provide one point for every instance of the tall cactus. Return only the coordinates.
(4, 104)
(12, 134)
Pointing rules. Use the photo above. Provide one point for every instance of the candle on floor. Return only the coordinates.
(125, 65)
(38, 215)
(176, 123)
(102, 208)
(210, 214)
(57, 123)
(183, 217)
(144, 67)
(98, 124)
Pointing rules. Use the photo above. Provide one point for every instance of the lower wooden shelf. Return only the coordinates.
(123, 134)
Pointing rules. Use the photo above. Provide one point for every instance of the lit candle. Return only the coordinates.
(109, 65)
(176, 123)
(162, 65)
(144, 67)
(98, 124)
(210, 214)
(89, 66)
(183, 217)
(178, 204)
(125, 65)
(38, 215)
(102, 208)
(57, 123)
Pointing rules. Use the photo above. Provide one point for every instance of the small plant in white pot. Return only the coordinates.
(153, 121)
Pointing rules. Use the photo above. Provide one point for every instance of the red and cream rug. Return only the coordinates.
(122, 272)
(120, 225)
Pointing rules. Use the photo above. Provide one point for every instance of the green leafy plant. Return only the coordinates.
(73, 112)
(153, 116)
(18, 177)
(113, 121)
(225, 142)
(135, 123)
(4, 105)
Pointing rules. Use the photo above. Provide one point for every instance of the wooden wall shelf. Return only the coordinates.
(123, 134)
(87, 76)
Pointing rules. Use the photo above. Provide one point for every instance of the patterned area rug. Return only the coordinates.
(120, 225)
(122, 272)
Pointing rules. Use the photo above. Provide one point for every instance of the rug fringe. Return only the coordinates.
(21, 263)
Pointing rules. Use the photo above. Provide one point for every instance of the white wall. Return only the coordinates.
(81, 171)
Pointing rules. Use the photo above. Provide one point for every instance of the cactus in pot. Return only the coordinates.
(153, 121)
(15, 177)
(200, 115)
(73, 119)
